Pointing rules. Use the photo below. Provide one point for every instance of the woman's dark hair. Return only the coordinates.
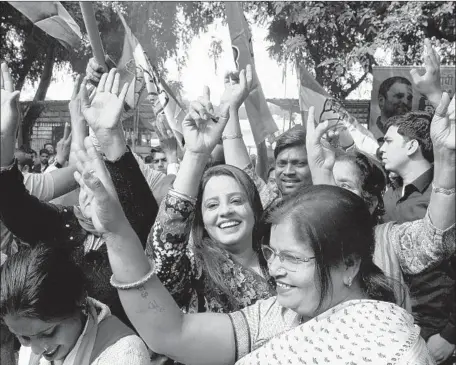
(41, 282)
(207, 251)
(337, 225)
(373, 180)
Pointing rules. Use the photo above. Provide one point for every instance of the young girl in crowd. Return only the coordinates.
(44, 303)
(325, 276)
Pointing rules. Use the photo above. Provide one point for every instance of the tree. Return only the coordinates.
(165, 29)
(332, 38)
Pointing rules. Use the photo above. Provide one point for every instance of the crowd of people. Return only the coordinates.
(199, 255)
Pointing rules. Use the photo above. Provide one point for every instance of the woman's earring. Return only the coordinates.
(349, 282)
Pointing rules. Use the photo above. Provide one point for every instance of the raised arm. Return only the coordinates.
(321, 158)
(428, 84)
(424, 243)
(191, 339)
(237, 88)
(103, 116)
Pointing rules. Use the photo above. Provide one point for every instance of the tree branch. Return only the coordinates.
(353, 86)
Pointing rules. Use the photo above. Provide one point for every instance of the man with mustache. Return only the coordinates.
(395, 97)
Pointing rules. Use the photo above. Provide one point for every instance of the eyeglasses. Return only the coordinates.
(288, 261)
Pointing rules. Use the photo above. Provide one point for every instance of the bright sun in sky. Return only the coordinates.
(199, 70)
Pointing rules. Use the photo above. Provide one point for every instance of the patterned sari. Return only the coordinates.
(353, 332)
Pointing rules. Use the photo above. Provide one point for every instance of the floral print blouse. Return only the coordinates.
(183, 275)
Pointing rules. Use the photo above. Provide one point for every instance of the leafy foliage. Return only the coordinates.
(332, 38)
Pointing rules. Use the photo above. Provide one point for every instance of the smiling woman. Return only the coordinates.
(44, 304)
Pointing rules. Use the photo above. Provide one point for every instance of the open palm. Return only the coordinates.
(104, 111)
(9, 104)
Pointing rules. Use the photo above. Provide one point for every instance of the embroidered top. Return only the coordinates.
(182, 273)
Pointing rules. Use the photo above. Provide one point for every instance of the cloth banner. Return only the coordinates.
(52, 18)
(311, 93)
(393, 94)
(260, 118)
(145, 83)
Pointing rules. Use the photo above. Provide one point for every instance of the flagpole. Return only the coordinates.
(92, 30)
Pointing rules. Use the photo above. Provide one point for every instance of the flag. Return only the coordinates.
(53, 18)
(311, 93)
(260, 118)
(145, 82)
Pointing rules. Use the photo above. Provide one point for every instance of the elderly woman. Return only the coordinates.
(325, 274)
(44, 303)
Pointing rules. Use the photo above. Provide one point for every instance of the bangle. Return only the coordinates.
(136, 284)
(231, 136)
(438, 190)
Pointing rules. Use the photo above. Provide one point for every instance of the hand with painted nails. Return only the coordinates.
(201, 130)
(9, 104)
(98, 198)
(104, 111)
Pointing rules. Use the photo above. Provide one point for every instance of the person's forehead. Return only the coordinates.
(158, 155)
(221, 185)
(24, 326)
(399, 87)
(293, 153)
(283, 238)
(345, 170)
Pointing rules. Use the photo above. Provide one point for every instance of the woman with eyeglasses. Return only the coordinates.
(333, 304)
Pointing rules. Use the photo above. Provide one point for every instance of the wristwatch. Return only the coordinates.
(58, 165)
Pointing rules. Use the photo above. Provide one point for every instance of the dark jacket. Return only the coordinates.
(34, 221)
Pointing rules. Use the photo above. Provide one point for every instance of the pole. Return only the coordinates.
(92, 30)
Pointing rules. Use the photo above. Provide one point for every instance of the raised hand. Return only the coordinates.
(98, 199)
(201, 131)
(443, 128)
(64, 145)
(9, 104)
(237, 87)
(104, 111)
(321, 158)
(428, 84)
(166, 137)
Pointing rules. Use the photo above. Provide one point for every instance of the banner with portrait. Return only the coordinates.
(393, 94)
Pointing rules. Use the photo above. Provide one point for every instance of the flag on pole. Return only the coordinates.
(311, 93)
(260, 118)
(52, 18)
(145, 82)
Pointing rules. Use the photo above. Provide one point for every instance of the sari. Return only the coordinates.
(353, 332)
(100, 332)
